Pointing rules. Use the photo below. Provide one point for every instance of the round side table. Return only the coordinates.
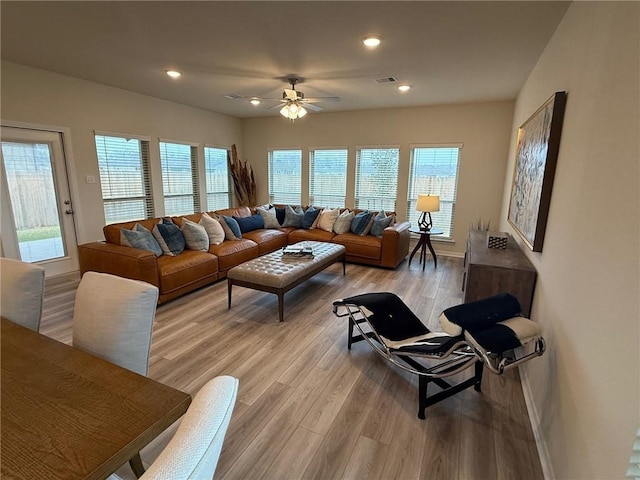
(424, 242)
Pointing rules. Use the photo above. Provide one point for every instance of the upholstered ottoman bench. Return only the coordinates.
(278, 273)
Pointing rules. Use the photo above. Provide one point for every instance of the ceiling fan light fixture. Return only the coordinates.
(255, 102)
(173, 73)
(293, 110)
(404, 88)
(371, 41)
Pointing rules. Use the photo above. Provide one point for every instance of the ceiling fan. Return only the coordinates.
(293, 103)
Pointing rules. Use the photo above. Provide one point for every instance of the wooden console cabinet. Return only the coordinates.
(489, 271)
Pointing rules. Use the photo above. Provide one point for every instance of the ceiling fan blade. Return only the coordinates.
(322, 99)
(280, 104)
(312, 107)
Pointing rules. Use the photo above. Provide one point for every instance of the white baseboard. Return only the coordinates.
(534, 418)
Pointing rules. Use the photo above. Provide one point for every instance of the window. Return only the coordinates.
(434, 170)
(377, 178)
(216, 169)
(328, 177)
(285, 175)
(179, 178)
(124, 178)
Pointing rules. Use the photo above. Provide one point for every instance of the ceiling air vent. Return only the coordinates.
(385, 80)
(233, 96)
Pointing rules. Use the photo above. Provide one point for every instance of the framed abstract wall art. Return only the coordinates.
(535, 167)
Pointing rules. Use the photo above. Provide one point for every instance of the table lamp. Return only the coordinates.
(427, 204)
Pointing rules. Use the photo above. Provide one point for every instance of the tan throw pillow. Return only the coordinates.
(343, 222)
(327, 219)
(195, 236)
(213, 228)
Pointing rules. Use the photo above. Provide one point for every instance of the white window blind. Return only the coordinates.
(434, 171)
(216, 170)
(285, 176)
(377, 178)
(328, 177)
(124, 178)
(179, 178)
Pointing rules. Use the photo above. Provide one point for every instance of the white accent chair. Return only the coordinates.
(22, 292)
(194, 450)
(113, 319)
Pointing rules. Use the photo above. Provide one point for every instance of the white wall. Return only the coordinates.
(41, 97)
(483, 129)
(586, 390)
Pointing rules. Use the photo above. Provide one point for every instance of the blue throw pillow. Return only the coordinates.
(309, 217)
(380, 222)
(170, 238)
(233, 226)
(140, 237)
(248, 224)
(293, 218)
(361, 222)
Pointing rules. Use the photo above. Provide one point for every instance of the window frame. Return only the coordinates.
(445, 218)
(145, 168)
(340, 199)
(195, 185)
(280, 197)
(379, 202)
(228, 176)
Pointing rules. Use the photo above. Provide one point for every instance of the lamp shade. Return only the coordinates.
(428, 203)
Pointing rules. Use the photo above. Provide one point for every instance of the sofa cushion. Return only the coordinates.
(327, 219)
(314, 234)
(361, 223)
(309, 217)
(170, 237)
(190, 267)
(195, 236)
(268, 217)
(213, 228)
(268, 239)
(366, 247)
(248, 224)
(380, 222)
(293, 218)
(231, 254)
(343, 222)
(140, 237)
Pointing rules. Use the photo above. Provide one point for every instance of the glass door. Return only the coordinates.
(37, 215)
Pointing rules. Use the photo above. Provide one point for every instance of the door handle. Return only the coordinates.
(69, 212)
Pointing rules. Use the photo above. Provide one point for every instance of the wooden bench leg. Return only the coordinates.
(281, 305)
(136, 465)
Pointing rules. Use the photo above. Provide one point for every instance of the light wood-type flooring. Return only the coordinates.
(307, 407)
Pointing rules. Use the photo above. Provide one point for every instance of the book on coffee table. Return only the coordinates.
(297, 251)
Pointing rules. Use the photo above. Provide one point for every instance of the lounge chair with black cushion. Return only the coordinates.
(485, 332)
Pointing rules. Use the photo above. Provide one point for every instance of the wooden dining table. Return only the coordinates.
(67, 414)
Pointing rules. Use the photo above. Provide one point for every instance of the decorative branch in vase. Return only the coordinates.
(244, 182)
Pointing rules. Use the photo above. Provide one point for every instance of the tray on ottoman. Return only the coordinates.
(278, 273)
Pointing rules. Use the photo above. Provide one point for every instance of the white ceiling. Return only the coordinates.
(448, 51)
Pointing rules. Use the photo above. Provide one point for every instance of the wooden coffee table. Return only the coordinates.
(275, 273)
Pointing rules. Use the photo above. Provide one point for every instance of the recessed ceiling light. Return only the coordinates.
(174, 73)
(372, 41)
(404, 88)
(255, 101)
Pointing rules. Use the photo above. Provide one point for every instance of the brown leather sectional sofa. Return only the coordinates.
(177, 275)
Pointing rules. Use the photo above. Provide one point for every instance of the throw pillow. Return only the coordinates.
(213, 228)
(343, 222)
(309, 217)
(140, 237)
(248, 224)
(170, 237)
(293, 218)
(361, 222)
(280, 214)
(233, 225)
(228, 233)
(380, 222)
(195, 236)
(328, 218)
(269, 217)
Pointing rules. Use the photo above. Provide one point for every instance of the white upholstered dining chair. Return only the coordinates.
(194, 450)
(113, 319)
(21, 292)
